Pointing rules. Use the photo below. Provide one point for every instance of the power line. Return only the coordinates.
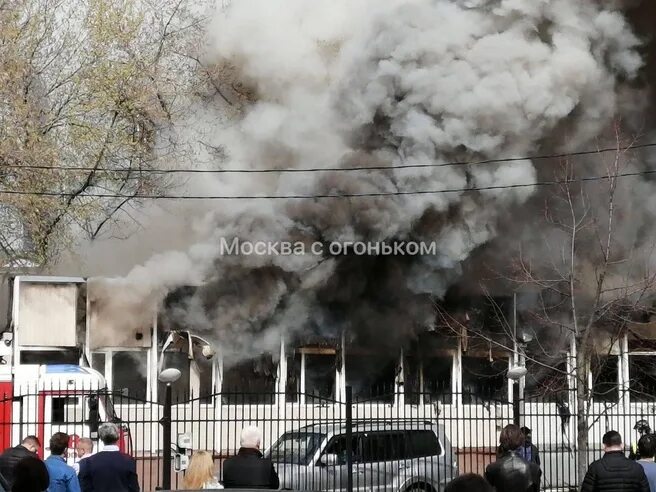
(331, 169)
(345, 195)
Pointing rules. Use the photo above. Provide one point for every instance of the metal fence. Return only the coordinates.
(390, 441)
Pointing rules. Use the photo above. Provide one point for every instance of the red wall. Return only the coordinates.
(6, 394)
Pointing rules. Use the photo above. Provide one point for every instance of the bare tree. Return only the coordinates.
(88, 94)
(588, 283)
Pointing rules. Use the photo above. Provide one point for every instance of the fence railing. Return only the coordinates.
(387, 442)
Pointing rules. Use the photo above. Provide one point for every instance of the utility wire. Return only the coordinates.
(329, 169)
(345, 195)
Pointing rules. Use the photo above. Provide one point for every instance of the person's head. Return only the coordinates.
(468, 483)
(251, 437)
(647, 447)
(200, 471)
(642, 426)
(84, 447)
(612, 441)
(528, 437)
(58, 443)
(108, 433)
(30, 475)
(511, 437)
(31, 443)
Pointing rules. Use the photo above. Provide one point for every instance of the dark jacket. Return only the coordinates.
(30, 475)
(511, 473)
(530, 453)
(614, 472)
(249, 470)
(108, 471)
(9, 459)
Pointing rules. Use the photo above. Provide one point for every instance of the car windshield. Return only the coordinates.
(296, 447)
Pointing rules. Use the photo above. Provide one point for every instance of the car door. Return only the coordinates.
(334, 476)
(384, 457)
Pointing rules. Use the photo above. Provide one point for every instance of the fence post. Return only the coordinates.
(516, 404)
(166, 431)
(349, 439)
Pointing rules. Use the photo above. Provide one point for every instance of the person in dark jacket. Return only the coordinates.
(510, 472)
(249, 469)
(30, 475)
(528, 450)
(643, 428)
(10, 458)
(109, 470)
(470, 482)
(614, 471)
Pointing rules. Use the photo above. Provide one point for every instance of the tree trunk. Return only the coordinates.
(582, 402)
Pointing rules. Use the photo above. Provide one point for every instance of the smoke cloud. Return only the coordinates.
(363, 83)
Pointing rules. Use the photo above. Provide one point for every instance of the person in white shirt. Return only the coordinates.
(84, 450)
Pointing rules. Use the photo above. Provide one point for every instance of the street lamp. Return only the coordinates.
(168, 377)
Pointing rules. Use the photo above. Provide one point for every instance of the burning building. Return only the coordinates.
(348, 122)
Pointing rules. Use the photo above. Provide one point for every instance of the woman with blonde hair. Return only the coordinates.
(200, 474)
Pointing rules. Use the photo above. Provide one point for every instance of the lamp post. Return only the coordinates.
(168, 377)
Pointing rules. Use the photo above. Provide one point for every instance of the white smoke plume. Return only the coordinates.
(365, 83)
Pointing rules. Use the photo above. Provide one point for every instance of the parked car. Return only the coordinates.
(387, 456)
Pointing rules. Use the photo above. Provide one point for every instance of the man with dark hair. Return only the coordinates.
(62, 476)
(528, 450)
(109, 470)
(469, 482)
(647, 449)
(614, 471)
(510, 472)
(10, 458)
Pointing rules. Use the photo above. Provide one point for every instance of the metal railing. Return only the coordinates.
(388, 441)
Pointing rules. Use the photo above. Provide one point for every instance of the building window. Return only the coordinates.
(129, 374)
(411, 379)
(293, 381)
(319, 377)
(604, 369)
(206, 379)
(484, 379)
(437, 378)
(249, 382)
(546, 380)
(98, 362)
(67, 356)
(642, 377)
(371, 376)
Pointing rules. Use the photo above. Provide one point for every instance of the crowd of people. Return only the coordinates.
(107, 471)
(516, 469)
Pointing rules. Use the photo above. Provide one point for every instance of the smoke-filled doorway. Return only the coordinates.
(320, 377)
(371, 374)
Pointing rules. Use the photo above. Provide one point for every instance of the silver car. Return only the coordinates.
(387, 456)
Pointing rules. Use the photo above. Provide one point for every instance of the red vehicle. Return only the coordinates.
(45, 399)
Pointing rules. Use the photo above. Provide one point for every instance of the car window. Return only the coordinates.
(384, 446)
(337, 445)
(423, 443)
(296, 447)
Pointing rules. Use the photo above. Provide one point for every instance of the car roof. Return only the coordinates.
(371, 426)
